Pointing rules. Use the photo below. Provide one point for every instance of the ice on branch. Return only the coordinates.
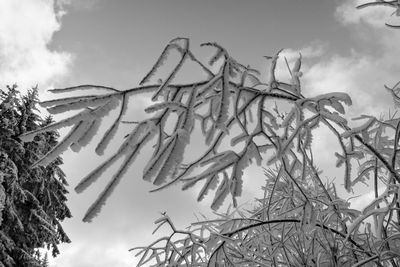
(82, 130)
(296, 74)
(270, 118)
(85, 115)
(141, 133)
(224, 99)
(359, 129)
(221, 193)
(67, 105)
(272, 76)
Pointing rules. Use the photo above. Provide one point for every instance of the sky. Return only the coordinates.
(61, 43)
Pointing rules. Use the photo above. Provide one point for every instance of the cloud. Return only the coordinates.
(364, 71)
(361, 76)
(26, 30)
(374, 16)
(112, 251)
(315, 49)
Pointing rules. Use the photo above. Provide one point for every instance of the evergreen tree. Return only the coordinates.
(32, 200)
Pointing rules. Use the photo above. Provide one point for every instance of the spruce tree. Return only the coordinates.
(32, 199)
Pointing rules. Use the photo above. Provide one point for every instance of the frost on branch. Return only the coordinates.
(395, 4)
(254, 237)
(266, 122)
(232, 97)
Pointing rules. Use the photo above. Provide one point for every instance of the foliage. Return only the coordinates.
(32, 200)
(300, 221)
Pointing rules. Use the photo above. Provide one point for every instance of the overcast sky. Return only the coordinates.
(114, 43)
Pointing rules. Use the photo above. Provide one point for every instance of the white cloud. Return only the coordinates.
(374, 16)
(361, 76)
(367, 68)
(111, 252)
(26, 29)
(316, 49)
